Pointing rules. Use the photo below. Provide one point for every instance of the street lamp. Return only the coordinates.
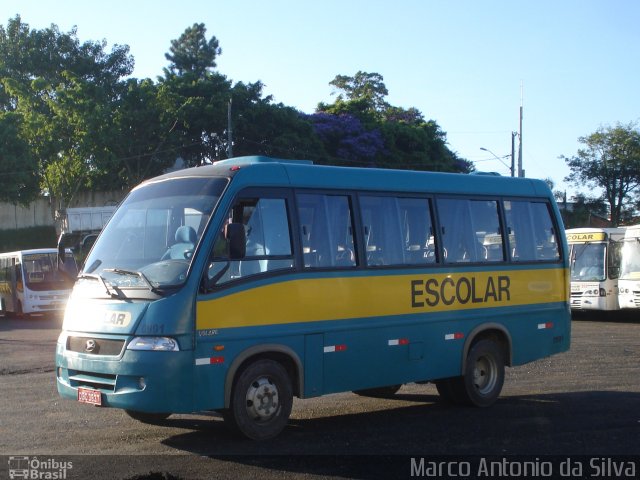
(511, 169)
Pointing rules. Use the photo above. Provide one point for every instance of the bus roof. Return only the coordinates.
(633, 231)
(265, 171)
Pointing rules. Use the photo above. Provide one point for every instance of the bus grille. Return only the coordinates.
(98, 381)
(95, 346)
(576, 300)
(636, 298)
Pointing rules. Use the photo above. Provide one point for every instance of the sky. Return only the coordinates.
(572, 65)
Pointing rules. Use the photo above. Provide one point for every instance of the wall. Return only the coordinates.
(38, 213)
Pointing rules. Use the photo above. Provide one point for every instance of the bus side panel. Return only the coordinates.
(399, 350)
(390, 328)
(539, 332)
(222, 353)
(313, 365)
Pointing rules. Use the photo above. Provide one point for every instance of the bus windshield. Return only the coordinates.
(41, 272)
(588, 262)
(150, 241)
(630, 267)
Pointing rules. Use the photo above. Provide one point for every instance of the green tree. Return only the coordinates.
(63, 91)
(198, 111)
(610, 161)
(141, 136)
(192, 53)
(409, 141)
(263, 128)
(18, 183)
(364, 86)
(198, 101)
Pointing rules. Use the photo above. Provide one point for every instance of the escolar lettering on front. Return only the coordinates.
(461, 290)
(118, 319)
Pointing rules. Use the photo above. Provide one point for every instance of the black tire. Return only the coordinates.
(483, 377)
(446, 391)
(261, 400)
(380, 392)
(151, 418)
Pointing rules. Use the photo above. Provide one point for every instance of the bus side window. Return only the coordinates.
(383, 230)
(326, 230)
(458, 238)
(417, 231)
(532, 235)
(486, 226)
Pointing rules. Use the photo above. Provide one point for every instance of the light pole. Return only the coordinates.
(500, 159)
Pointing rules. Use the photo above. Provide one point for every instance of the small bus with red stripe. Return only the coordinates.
(238, 286)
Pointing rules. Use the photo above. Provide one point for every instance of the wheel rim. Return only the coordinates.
(262, 400)
(485, 374)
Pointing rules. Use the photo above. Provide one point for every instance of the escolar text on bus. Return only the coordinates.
(433, 292)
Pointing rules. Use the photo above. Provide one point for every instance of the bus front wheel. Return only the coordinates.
(261, 400)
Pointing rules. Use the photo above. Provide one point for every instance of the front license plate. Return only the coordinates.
(86, 395)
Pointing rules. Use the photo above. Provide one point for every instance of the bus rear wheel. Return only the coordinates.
(261, 400)
(483, 377)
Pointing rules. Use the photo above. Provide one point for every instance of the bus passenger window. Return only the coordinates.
(486, 226)
(459, 241)
(326, 231)
(383, 231)
(531, 233)
(471, 230)
(417, 231)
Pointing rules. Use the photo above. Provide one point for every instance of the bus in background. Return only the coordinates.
(629, 282)
(236, 286)
(594, 256)
(31, 282)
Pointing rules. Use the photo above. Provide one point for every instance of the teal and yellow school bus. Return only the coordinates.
(237, 286)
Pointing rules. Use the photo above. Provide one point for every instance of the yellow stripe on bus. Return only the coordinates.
(318, 299)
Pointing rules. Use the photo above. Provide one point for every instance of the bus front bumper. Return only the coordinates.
(144, 381)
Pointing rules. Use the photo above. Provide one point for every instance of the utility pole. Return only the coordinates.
(520, 170)
(229, 133)
(513, 152)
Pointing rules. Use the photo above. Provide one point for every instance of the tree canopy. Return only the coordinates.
(192, 53)
(362, 128)
(610, 161)
(73, 118)
(58, 95)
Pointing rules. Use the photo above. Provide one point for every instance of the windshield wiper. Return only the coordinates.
(134, 273)
(110, 289)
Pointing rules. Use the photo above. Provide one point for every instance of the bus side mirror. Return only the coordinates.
(237, 240)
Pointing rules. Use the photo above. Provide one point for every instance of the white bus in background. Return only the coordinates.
(31, 281)
(594, 255)
(629, 282)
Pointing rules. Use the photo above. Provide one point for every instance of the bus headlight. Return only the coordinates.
(159, 344)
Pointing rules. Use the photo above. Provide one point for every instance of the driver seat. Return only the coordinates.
(186, 240)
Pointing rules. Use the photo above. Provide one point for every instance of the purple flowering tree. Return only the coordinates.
(347, 140)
